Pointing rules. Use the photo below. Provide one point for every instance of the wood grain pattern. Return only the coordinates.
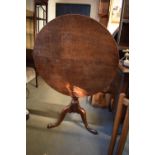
(76, 50)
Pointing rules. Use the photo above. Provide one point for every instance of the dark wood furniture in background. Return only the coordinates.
(120, 84)
(30, 41)
(75, 63)
(123, 33)
(122, 39)
(122, 36)
(122, 102)
(125, 79)
(30, 63)
(40, 14)
(35, 20)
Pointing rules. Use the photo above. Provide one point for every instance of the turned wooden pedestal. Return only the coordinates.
(73, 107)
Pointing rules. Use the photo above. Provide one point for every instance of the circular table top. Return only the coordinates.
(76, 53)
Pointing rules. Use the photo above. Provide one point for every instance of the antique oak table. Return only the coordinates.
(76, 56)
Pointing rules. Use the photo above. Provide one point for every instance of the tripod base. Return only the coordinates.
(73, 107)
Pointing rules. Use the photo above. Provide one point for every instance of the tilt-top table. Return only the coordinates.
(76, 56)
